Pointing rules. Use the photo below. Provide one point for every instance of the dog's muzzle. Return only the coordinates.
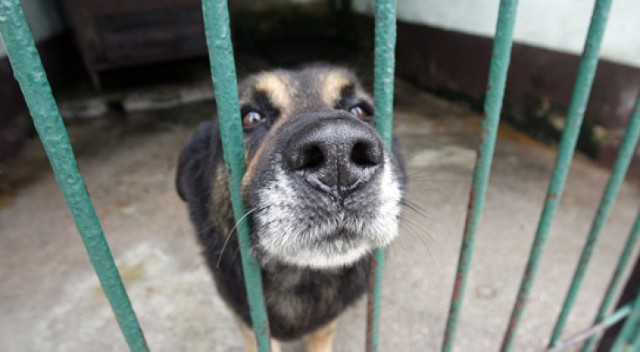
(327, 192)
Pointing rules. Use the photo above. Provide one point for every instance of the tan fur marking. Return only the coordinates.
(220, 206)
(253, 163)
(249, 337)
(332, 87)
(321, 340)
(275, 87)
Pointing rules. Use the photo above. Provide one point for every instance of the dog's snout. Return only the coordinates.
(336, 156)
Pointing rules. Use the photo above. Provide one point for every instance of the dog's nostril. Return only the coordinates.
(364, 154)
(312, 157)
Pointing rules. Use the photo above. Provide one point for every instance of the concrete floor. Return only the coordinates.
(50, 299)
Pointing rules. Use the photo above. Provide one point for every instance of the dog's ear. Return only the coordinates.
(196, 160)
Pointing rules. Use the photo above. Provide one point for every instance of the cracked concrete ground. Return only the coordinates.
(50, 299)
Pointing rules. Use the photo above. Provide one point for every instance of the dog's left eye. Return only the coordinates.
(357, 111)
(252, 118)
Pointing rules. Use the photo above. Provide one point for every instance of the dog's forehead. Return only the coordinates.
(290, 90)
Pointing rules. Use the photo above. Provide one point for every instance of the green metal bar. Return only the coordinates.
(631, 328)
(577, 107)
(223, 74)
(593, 330)
(385, 63)
(636, 340)
(636, 343)
(627, 151)
(492, 108)
(385, 44)
(28, 70)
(616, 281)
(625, 155)
(623, 262)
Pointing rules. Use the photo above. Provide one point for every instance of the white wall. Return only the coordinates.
(44, 20)
(553, 24)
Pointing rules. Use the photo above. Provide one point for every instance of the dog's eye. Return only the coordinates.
(357, 111)
(252, 118)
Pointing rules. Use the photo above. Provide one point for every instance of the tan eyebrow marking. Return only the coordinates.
(275, 87)
(333, 86)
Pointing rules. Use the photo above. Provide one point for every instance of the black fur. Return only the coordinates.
(197, 163)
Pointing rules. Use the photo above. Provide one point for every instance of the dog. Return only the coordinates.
(321, 191)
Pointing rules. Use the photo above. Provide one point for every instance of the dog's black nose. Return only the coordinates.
(337, 155)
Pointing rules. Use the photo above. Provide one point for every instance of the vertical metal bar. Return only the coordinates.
(606, 322)
(223, 74)
(385, 44)
(577, 107)
(631, 328)
(28, 70)
(616, 281)
(623, 262)
(636, 340)
(625, 155)
(492, 108)
(627, 150)
(385, 63)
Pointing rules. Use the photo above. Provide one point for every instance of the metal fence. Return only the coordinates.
(30, 74)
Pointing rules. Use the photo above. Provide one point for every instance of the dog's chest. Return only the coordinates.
(293, 295)
(298, 298)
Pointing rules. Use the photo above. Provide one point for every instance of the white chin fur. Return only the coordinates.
(280, 236)
(319, 260)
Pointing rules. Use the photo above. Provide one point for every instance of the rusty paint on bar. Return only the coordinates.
(371, 305)
(627, 150)
(492, 107)
(223, 74)
(577, 107)
(625, 256)
(385, 44)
